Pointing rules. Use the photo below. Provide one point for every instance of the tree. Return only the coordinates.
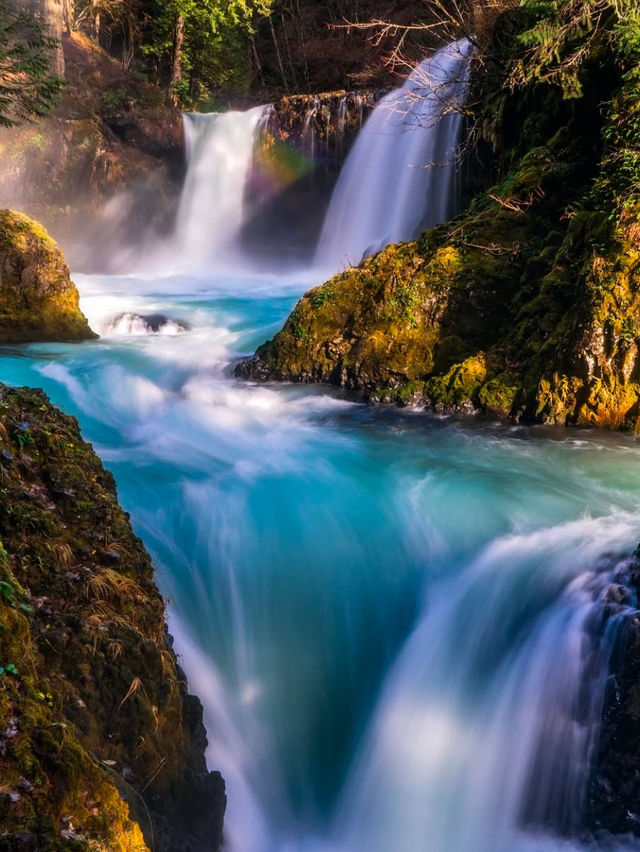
(28, 84)
(189, 36)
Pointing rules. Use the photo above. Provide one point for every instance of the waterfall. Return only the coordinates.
(219, 156)
(485, 733)
(398, 177)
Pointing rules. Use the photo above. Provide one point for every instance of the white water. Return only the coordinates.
(219, 157)
(398, 178)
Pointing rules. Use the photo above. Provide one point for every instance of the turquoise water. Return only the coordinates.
(389, 616)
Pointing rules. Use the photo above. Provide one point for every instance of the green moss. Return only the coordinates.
(499, 395)
(90, 680)
(38, 301)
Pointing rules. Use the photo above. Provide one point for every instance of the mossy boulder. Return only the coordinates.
(38, 300)
(101, 747)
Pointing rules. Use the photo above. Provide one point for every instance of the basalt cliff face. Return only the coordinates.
(101, 747)
(526, 305)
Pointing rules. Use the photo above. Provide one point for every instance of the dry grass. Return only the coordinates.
(111, 586)
(61, 554)
(136, 684)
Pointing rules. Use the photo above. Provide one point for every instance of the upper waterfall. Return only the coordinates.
(399, 177)
(219, 157)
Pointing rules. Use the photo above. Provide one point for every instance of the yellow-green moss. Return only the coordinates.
(92, 704)
(38, 300)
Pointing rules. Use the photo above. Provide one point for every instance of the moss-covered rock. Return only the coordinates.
(38, 300)
(100, 743)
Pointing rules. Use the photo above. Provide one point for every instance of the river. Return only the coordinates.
(394, 620)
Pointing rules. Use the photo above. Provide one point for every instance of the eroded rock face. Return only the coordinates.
(105, 169)
(99, 741)
(38, 300)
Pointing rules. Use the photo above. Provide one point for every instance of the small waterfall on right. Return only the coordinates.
(399, 176)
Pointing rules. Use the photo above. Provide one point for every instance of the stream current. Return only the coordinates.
(394, 620)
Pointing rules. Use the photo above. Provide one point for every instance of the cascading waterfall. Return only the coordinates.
(398, 177)
(485, 732)
(219, 155)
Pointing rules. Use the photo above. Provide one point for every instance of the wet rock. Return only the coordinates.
(614, 795)
(131, 323)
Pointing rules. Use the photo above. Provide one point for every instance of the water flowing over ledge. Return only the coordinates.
(219, 153)
(399, 178)
(400, 175)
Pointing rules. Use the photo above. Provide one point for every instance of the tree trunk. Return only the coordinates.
(278, 54)
(96, 24)
(255, 59)
(68, 16)
(52, 14)
(176, 67)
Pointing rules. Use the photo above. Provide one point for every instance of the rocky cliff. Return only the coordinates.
(614, 796)
(101, 747)
(104, 171)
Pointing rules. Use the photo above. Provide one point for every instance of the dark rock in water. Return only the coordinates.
(614, 799)
(131, 323)
(98, 735)
(38, 300)
(254, 369)
(157, 322)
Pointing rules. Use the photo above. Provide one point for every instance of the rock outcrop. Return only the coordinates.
(614, 795)
(38, 300)
(101, 747)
